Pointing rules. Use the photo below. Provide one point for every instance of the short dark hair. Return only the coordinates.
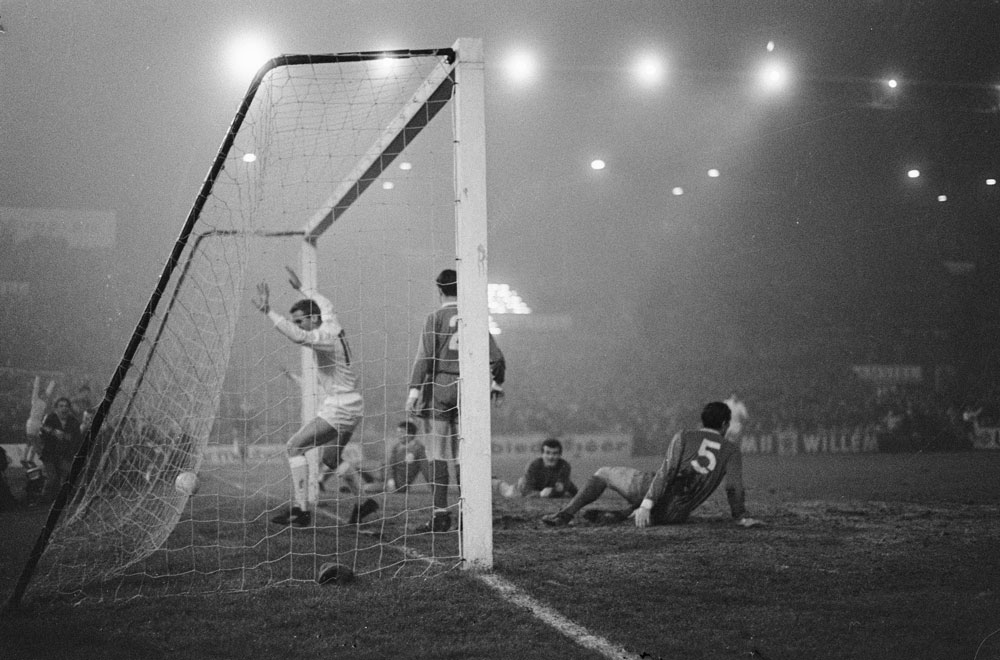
(60, 400)
(307, 306)
(410, 427)
(552, 443)
(715, 415)
(447, 282)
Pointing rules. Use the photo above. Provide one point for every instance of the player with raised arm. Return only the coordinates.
(434, 393)
(697, 460)
(314, 324)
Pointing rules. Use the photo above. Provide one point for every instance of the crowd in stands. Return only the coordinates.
(905, 417)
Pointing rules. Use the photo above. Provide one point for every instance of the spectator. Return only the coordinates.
(60, 439)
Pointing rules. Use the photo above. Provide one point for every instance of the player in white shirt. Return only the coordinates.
(740, 415)
(314, 324)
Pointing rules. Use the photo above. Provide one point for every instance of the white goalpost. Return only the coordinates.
(366, 172)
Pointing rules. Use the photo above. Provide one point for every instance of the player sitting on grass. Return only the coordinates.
(314, 324)
(695, 464)
(546, 476)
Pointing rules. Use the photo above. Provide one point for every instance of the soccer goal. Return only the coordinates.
(365, 173)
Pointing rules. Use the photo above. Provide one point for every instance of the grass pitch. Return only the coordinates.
(863, 556)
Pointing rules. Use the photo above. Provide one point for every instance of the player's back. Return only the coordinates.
(445, 329)
(705, 456)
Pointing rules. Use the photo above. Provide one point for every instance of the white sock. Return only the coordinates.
(299, 465)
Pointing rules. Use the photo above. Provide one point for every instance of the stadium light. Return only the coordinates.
(406, 166)
(892, 83)
(246, 54)
(913, 174)
(713, 173)
(677, 191)
(774, 76)
(991, 182)
(770, 46)
(249, 158)
(942, 198)
(521, 67)
(597, 164)
(649, 70)
(388, 185)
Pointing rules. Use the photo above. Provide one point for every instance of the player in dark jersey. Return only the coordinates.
(434, 393)
(696, 463)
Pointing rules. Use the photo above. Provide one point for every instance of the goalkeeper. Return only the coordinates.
(695, 465)
(314, 324)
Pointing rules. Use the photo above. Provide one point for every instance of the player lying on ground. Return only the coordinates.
(314, 324)
(546, 476)
(695, 464)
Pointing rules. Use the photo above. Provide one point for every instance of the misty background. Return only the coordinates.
(811, 253)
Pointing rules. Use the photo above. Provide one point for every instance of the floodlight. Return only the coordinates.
(649, 69)
(774, 75)
(521, 66)
(247, 53)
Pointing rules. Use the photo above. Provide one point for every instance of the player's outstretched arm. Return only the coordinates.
(262, 300)
(293, 279)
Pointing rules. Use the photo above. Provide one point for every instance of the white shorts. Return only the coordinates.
(342, 412)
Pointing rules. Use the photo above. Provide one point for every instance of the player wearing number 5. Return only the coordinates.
(434, 393)
(696, 463)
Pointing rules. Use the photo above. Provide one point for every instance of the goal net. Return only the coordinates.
(354, 170)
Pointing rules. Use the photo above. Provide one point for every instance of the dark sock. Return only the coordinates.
(439, 484)
(590, 492)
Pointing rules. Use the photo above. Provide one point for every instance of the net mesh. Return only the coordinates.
(214, 389)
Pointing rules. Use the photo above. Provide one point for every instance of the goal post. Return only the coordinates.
(366, 171)
(473, 267)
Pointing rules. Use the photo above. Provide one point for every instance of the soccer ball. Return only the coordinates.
(333, 573)
(186, 483)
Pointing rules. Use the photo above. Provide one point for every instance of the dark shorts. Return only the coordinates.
(444, 397)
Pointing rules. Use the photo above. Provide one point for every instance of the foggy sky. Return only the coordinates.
(121, 106)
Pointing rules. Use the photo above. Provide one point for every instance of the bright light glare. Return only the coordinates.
(597, 164)
(942, 198)
(649, 70)
(913, 174)
(714, 173)
(249, 158)
(678, 191)
(405, 166)
(388, 185)
(991, 182)
(521, 67)
(770, 46)
(247, 54)
(892, 83)
(774, 76)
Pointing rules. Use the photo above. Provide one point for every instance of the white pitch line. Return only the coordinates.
(517, 596)
(583, 637)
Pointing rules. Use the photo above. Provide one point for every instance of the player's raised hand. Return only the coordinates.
(293, 279)
(496, 393)
(262, 300)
